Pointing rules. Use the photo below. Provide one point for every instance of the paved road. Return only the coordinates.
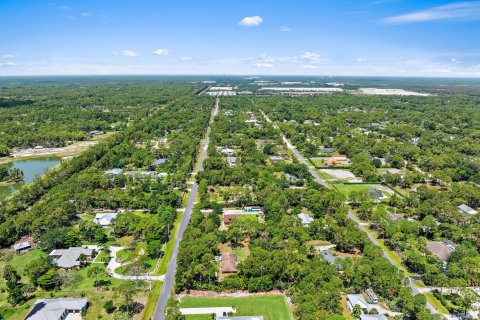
(172, 265)
(299, 157)
(416, 290)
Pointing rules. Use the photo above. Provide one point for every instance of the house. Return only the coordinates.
(240, 318)
(305, 218)
(373, 317)
(58, 309)
(159, 161)
(114, 171)
(331, 259)
(21, 246)
(229, 263)
(372, 297)
(274, 159)
(227, 219)
(376, 193)
(245, 210)
(105, 219)
(291, 177)
(70, 258)
(357, 299)
(227, 151)
(231, 161)
(463, 208)
(441, 249)
(340, 157)
(393, 171)
(327, 150)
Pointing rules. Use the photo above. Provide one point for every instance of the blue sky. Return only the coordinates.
(298, 37)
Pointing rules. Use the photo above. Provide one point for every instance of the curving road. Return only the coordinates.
(172, 265)
(415, 289)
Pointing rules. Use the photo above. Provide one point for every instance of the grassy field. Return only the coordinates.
(271, 307)
(437, 304)
(346, 189)
(152, 300)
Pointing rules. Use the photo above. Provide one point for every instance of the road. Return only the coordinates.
(299, 157)
(172, 265)
(415, 289)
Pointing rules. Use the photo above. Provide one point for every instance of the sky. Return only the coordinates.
(241, 37)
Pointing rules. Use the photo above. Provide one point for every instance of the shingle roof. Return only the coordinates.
(54, 309)
(229, 262)
(69, 258)
(440, 250)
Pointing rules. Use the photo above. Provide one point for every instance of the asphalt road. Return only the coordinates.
(301, 159)
(169, 281)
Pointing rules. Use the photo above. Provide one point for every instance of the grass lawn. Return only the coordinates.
(152, 300)
(419, 283)
(20, 261)
(317, 162)
(271, 307)
(437, 304)
(346, 189)
(325, 175)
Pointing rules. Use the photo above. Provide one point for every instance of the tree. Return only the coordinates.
(109, 306)
(38, 267)
(127, 290)
(172, 310)
(96, 271)
(357, 311)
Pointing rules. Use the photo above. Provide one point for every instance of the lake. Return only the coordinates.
(31, 168)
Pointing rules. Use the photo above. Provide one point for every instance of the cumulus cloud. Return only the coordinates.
(263, 65)
(285, 29)
(252, 21)
(310, 56)
(452, 11)
(8, 56)
(185, 59)
(360, 60)
(161, 52)
(130, 53)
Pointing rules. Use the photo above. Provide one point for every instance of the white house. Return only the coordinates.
(306, 219)
(105, 219)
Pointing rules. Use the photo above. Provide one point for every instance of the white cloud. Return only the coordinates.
(309, 56)
(8, 56)
(285, 29)
(8, 64)
(130, 53)
(252, 21)
(454, 60)
(185, 59)
(263, 65)
(453, 11)
(360, 60)
(161, 52)
(310, 67)
(86, 14)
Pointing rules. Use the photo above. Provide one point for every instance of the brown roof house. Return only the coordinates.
(227, 219)
(441, 250)
(229, 263)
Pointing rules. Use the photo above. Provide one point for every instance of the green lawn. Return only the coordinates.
(20, 261)
(437, 304)
(346, 189)
(271, 307)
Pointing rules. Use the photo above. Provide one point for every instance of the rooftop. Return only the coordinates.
(306, 218)
(55, 309)
(440, 249)
(69, 258)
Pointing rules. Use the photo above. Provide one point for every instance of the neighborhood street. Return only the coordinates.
(172, 265)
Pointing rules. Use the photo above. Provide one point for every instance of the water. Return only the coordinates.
(31, 168)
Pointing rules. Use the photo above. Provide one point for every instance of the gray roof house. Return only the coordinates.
(231, 161)
(376, 193)
(21, 246)
(306, 219)
(441, 250)
(114, 171)
(105, 219)
(57, 309)
(69, 258)
(331, 259)
(466, 209)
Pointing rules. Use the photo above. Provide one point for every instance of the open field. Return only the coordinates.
(346, 189)
(271, 307)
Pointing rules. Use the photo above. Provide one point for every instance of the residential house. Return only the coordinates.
(21, 246)
(327, 150)
(227, 219)
(159, 161)
(357, 299)
(441, 250)
(372, 297)
(105, 219)
(114, 171)
(231, 161)
(70, 258)
(331, 258)
(58, 309)
(305, 218)
(229, 263)
(373, 317)
(376, 194)
(463, 208)
(227, 151)
(275, 159)
(393, 171)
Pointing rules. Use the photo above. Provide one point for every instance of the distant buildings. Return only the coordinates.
(22, 246)
(114, 171)
(70, 258)
(58, 309)
(463, 208)
(305, 218)
(377, 194)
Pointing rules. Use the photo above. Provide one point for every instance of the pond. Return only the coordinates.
(31, 168)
